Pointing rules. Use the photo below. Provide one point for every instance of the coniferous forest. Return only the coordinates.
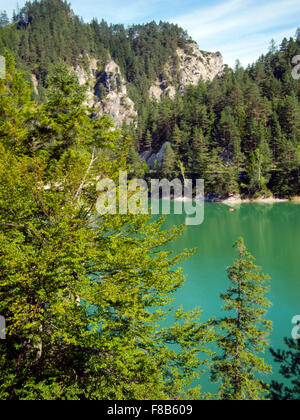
(85, 296)
(240, 133)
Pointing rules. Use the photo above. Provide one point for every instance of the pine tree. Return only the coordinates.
(259, 165)
(4, 20)
(215, 175)
(199, 154)
(276, 133)
(135, 163)
(244, 332)
(290, 118)
(176, 139)
(168, 163)
(148, 141)
(286, 179)
(230, 137)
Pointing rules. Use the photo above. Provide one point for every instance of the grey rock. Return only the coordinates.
(150, 157)
(193, 66)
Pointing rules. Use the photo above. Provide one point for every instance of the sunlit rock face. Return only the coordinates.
(115, 100)
(107, 92)
(190, 66)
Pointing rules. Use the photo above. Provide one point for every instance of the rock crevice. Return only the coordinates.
(107, 91)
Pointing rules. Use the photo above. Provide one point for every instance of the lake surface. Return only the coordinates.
(271, 233)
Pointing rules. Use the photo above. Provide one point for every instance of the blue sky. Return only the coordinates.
(239, 29)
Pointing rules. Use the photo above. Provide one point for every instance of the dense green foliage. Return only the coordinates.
(244, 332)
(83, 294)
(290, 370)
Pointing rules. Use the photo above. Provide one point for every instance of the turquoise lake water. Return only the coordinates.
(271, 233)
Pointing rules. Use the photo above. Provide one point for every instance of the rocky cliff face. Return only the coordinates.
(114, 99)
(88, 77)
(107, 91)
(35, 83)
(192, 65)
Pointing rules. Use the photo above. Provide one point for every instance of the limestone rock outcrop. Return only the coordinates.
(107, 91)
(116, 101)
(192, 65)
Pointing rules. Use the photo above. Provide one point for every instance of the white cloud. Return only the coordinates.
(250, 49)
(241, 29)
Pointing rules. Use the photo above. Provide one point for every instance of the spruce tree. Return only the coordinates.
(176, 139)
(244, 332)
(215, 174)
(148, 141)
(135, 163)
(199, 154)
(286, 179)
(17, 110)
(4, 20)
(168, 163)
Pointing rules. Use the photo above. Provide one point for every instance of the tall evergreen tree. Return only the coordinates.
(168, 163)
(4, 20)
(148, 141)
(17, 111)
(176, 138)
(244, 332)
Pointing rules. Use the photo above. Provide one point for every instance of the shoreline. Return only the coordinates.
(231, 201)
(261, 200)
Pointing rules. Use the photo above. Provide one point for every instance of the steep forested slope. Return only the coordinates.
(47, 31)
(240, 131)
